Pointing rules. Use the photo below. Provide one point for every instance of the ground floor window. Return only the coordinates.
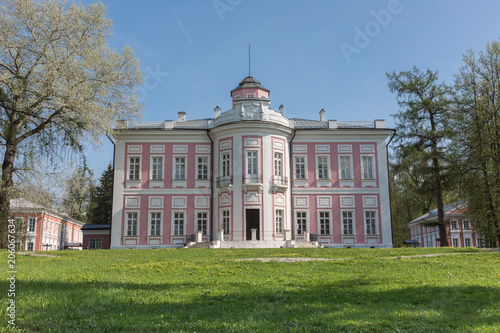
(95, 243)
(30, 246)
(454, 242)
(226, 222)
(202, 222)
(155, 224)
(178, 223)
(301, 222)
(347, 223)
(324, 223)
(370, 223)
(480, 243)
(279, 221)
(131, 224)
(467, 242)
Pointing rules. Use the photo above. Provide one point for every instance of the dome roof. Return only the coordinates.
(249, 82)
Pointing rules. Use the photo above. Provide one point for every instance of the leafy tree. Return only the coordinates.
(60, 84)
(477, 139)
(422, 124)
(102, 199)
(76, 194)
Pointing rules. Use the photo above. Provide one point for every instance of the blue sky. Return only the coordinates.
(310, 54)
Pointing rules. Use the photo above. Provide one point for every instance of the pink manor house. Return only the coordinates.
(251, 177)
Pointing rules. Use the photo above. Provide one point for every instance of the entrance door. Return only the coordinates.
(252, 220)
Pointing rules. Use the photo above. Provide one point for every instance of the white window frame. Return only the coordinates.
(225, 218)
(279, 220)
(129, 168)
(329, 224)
(175, 164)
(278, 164)
(127, 219)
(95, 241)
(304, 166)
(152, 170)
(363, 164)
(457, 240)
(466, 225)
(31, 223)
(305, 217)
(375, 226)
(207, 221)
(198, 164)
(225, 164)
(174, 220)
(456, 225)
(150, 223)
(465, 242)
(318, 173)
(353, 217)
(252, 163)
(341, 176)
(30, 244)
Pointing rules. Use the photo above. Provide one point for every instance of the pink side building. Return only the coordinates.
(251, 177)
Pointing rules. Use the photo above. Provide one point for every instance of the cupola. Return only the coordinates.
(251, 88)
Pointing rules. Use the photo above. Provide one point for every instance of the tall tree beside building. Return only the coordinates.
(61, 85)
(422, 124)
(102, 199)
(477, 139)
(76, 194)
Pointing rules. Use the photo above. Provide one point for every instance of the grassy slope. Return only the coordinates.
(207, 291)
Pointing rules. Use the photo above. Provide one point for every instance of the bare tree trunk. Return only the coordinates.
(5, 191)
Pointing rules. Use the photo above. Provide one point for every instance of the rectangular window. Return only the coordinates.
(454, 242)
(480, 243)
(278, 164)
(202, 222)
(347, 223)
(180, 168)
(30, 246)
(324, 223)
(252, 163)
(345, 167)
(155, 224)
(178, 223)
(454, 224)
(133, 168)
(202, 168)
(226, 222)
(301, 222)
(466, 224)
(467, 242)
(157, 168)
(368, 167)
(31, 224)
(95, 243)
(131, 224)
(279, 221)
(226, 165)
(370, 223)
(300, 167)
(322, 167)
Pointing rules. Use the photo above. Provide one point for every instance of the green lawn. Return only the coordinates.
(202, 290)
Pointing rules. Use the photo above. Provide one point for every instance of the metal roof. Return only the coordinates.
(96, 226)
(448, 209)
(249, 82)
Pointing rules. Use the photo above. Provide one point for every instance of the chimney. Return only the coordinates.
(322, 115)
(282, 109)
(181, 116)
(217, 111)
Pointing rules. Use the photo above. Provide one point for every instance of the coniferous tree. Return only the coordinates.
(102, 199)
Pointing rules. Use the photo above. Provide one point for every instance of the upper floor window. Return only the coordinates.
(279, 221)
(368, 167)
(31, 224)
(202, 167)
(180, 167)
(178, 224)
(466, 224)
(250, 95)
(454, 224)
(155, 224)
(132, 224)
(345, 167)
(134, 168)
(348, 223)
(278, 164)
(252, 163)
(300, 167)
(370, 222)
(202, 222)
(226, 165)
(322, 167)
(324, 223)
(301, 222)
(157, 168)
